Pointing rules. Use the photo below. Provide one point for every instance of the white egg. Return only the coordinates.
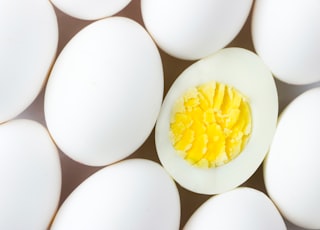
(105, 92)
(194, 29)
(90, 9)
(134, 194)
(291, 169)
(28, 43)
(242, 208)
(30, 176)
(286, 35)
(243, 71)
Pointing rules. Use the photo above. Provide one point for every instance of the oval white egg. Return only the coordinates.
(286, 35)
(28, 43)
(244, 71)
(242, 208)
(133, 194)
(194, 29)
(105, 92)
(90, 9)
(291, 169)
(30, 176)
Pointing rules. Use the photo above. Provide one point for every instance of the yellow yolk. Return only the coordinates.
(210, 124)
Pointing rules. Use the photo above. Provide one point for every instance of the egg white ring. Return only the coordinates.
(245, 71)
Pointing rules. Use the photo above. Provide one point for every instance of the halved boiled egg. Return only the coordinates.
(217, 121)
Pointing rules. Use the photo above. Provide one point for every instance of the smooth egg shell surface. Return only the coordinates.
(105, 92)
(286, 36)
(291, 169)
(30, 176)
(196, 28)
(90, 9)
(134, 194)
(28, 43)
(242, 208)
(245, 71)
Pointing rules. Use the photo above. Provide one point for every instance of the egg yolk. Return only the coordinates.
(210, 124)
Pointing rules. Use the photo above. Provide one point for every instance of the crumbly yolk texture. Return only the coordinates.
(210, 124)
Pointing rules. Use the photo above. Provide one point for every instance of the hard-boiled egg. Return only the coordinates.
(28, 43)
(194, 29)
(133, 194)
(291, 169)
(30, 176)
(242, 208)
(104, 92)
(217, 121)
(286, 36)
(90, 9)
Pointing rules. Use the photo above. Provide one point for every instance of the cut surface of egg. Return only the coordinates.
(241, 208)
(291, 168)
(210, 124)
(217, 121)
(104, 92)
(196, 28)
(134, 194)
(28, 43)
(286, 36)
(90, 9)
(30, 176)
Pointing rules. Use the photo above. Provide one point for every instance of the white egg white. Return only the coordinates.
(245, 71)
(241, 208)
(291, 168)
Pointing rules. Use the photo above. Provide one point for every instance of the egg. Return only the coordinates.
(28, 43)
(105, 92)
(196, 28)
(291, 169)
(242, 208)
(133, 194)
(286, 36)
(217, 121)
(30, 176)
(90, 9)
